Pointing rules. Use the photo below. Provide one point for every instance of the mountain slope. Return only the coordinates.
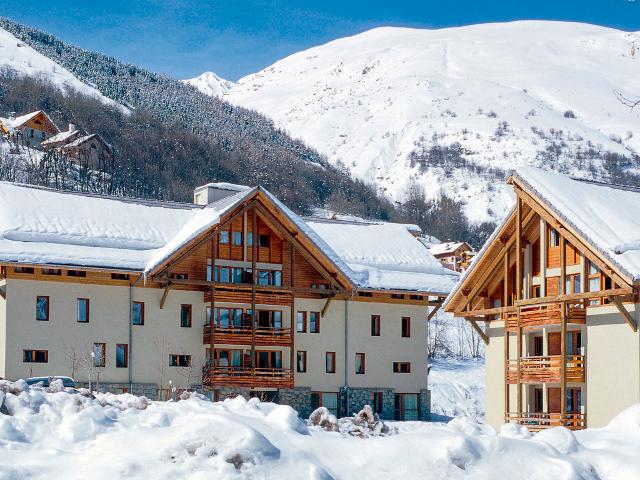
(453, 109)
(210, 84)
(17, 56)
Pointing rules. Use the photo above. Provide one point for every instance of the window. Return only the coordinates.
(51, 271)
(572, 284)
(401, 367)
(122, 355)
(35, 356)
(406, 406)
(179, 276)
(398, 296)
(249, 239)
(416, 297)
(328, 400)
(301, 363)
(237, 274)
(365, 294)
(263, 241)
(236, 238)
(99, 354)
(224, 237)
(76, 273)
(263, 277)
(120, 276)
(223, 275)
(376, 402)
(554, 238)
(42, 308)
(23, 270)
(179, 360)
(83, 310)
(185, 316)
(228, 359)
(276, 278)
(314, 322)
(330, 362)
(320, 286)
(375, 325)
(360, 363)
(406, 326)
(138, 313)
(301, 322)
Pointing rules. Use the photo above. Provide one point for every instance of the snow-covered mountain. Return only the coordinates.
(210, 84)
(452, 109)
(24, 60)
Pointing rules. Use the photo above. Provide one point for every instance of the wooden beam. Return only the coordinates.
(433, 312)
(326, 306)
(519, 366)
(563, 357)
(479, 283)
(478, 330)
(506, 369)
(572, 237)
(563, 265)
(625, 313)
(575, 296)
(486, 312)
(165, 294)
(518, 249)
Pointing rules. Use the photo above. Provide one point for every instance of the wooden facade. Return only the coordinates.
(535, 279)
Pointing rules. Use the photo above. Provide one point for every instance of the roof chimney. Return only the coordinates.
(212, 192)
(72, 127)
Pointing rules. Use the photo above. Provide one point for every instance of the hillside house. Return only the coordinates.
(557, 288)
(234, 294)
(29, 130)
(453, 255)
(79, 147)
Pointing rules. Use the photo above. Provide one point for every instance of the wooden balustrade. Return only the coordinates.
(539, 421)
(247, 377)
(547, 314)
(547, 369)
(242, 335)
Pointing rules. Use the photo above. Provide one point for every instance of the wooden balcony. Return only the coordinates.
(546, 369)
(242, 335)
(539, 421)
(247, 377)
(547, 314)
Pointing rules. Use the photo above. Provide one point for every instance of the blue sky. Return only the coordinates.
(183, 38)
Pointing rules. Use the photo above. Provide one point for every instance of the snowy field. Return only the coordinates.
(457, 388)
(50, 433)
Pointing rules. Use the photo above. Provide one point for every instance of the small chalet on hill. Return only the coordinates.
(29, 130)
(453, 255)
(233, 294)
(79, 147)
(557, 287)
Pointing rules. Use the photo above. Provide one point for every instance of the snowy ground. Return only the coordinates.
(67, 435)
(457, 388)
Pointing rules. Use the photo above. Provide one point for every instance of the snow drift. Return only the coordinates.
(56, 432)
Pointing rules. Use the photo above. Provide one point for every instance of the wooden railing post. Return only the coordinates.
(254, 254)
(563, 364)
(519, 365)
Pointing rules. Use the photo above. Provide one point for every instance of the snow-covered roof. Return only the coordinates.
(61, 137)
(17, 122)
(66, 228)
(604, 215)
(234, 187)
(384, 256)
(79, 141)
(323, 213)
(445, 248)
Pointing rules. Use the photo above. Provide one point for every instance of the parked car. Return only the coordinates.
(66, 381)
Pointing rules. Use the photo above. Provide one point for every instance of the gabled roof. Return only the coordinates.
(85, 138)
(447, 247)
(62, 137)
(384, 256)
(17, 122)
(601, 215)
(64, 228)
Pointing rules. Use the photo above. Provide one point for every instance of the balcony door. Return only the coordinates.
(574, 343)
(269, 359)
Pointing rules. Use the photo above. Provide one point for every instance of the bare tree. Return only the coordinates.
(75, 359)
(162, 346)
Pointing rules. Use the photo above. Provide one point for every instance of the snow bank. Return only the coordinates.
(457, 387)
(56, 432)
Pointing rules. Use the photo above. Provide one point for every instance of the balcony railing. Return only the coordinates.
(547, 314)
(242, 335)
(539, 421)
(546, 369)
(247, 377)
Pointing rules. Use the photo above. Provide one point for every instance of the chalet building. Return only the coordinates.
(234, 294)
(556, 285)
(455, 256)
(79, 147)
(29, 130)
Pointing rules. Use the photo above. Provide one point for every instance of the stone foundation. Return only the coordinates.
(425, 404)
(359, 397)
(299, 398)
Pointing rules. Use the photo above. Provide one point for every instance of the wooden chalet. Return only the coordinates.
(31, 129)
(556, 286)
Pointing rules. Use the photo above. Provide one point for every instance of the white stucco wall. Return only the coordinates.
(613, 364)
